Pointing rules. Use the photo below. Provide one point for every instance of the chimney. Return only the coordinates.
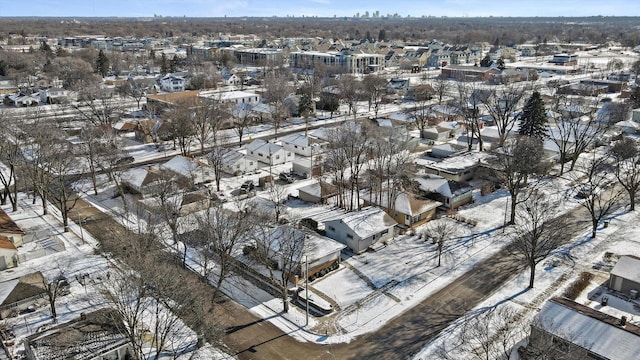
(623, 321)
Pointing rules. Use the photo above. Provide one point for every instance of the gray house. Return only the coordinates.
(625, 276)
(361, 229)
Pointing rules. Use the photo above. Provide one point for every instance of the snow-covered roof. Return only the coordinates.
(403, 202)
(264, 147)
(590, 329)
(182, 165)
(384, 123)
(368, 221)
(315, 246)
(318, 189)
(627, 267)
(232, 157)
(296, 139)
(457, 163)
(6, 288)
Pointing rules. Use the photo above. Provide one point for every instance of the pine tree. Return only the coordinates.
(486, 61)
(533, 120)
(164, 66)
(102, 64)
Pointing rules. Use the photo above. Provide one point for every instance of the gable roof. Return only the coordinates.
(7, 225)
(314, 245)
(265, 147)
(368, 221)
(627, 267)
(22, 288)
(5, 243)
(590, 329)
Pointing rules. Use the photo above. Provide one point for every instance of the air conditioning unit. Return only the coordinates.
(633, 294)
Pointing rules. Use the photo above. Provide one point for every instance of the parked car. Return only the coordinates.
(247, 187)
(286, 177)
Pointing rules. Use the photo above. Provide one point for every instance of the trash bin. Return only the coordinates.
(605, 300)
(606, 224)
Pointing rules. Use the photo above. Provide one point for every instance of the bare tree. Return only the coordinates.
(492, 334)
(281, 251)
(470, 98)
(242, 116)
(374, 87)
(132, 89)
(277, 89)
(54, 284)
(422, 113)
(223, 232)
(182, 127)
(99, 107)
(626, 154)
(277, 194)
(501, 106)
(600, 196)
(537, 233)
(10, 157)
(518, 159)
(351, 93)
(440, 86)
(440, 233)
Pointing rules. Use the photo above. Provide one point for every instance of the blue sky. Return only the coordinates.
(327, 8)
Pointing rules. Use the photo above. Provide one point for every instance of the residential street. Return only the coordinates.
(249, 337)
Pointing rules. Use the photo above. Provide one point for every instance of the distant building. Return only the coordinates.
(565, 59)
(354, 63)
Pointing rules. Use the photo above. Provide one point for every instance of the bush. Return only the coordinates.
(581, 283)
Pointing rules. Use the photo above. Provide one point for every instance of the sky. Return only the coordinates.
(321, 8)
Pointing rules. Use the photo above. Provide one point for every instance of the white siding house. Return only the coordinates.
(268, 153)
(235, 162)
(361, 229)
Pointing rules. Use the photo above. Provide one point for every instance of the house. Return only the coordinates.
(57, 96)
(564, 329)
(468, 73)
(436, 134)
(187, 170)
(97, 335)
(172, 83)
(318, 251)
(231, 97)
(307, 167)
(268, 152)
(450, 193)
(457, 168)
(236, 163)
(446, 150)
(405, 208)
(318, 192)
(8, 254)
(564, 59)
(21, 293)
(11, 230)
(146, 181)
(303, 145)
(625, 276)
(361, 229)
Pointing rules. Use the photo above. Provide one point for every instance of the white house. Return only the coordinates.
(320, 252)
(303, 145)
(188, 168)
(269, 153)
(450, 193)
(171, 83)
(10, 230)
(235, 162)
(8, 254)
(566, 329)
(361, 229)
(233, 97)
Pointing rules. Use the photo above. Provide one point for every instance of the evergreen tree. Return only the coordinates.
(501, 64)
(634, 98)
(173, 66)
(533, 120)
(152, 54)
(102, 64)
(382, 35)
(164, 66)
(486, 61)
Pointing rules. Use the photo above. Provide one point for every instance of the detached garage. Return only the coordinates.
(625, 276)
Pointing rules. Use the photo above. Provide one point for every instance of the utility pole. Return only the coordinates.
(306, 281)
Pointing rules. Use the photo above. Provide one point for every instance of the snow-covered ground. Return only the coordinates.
(74, 258)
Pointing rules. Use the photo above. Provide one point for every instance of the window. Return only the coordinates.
(251, 163)
(386, 231)
(331, 228)
(277, 157)
(349, 236)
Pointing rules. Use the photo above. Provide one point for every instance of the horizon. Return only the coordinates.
(321, 9)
